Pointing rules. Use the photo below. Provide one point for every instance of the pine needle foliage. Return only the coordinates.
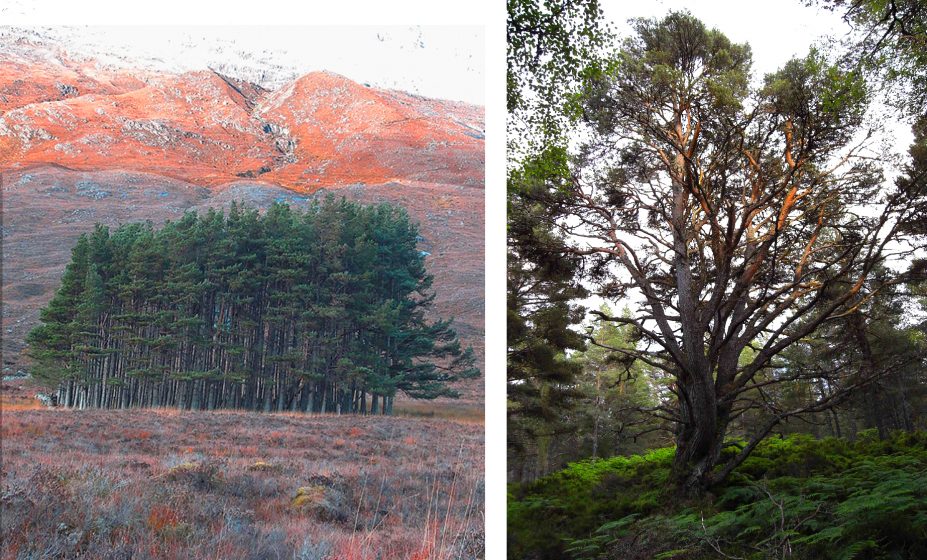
(322, 310)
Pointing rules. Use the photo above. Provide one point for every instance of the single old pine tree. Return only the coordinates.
(729, 214)
(317, 311)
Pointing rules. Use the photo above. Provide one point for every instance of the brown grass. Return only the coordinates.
(460, 411)
(167, 484)
(20, 395)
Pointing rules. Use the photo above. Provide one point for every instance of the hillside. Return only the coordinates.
(207, 128)
(83, 142)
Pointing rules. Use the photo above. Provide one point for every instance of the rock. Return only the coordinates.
(20, 374)
(92, 190)
(48, 400)
(66, 90)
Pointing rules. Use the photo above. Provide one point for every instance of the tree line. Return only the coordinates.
(322, 310)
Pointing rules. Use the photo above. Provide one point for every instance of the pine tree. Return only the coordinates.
(314, 311)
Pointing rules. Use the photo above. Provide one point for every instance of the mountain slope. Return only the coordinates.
(81, 142)
(318, 130)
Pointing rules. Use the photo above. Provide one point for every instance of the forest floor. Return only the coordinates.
(794, 497)
(215, 485)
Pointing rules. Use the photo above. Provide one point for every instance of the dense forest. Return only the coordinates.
(717, 308)
(316, 311)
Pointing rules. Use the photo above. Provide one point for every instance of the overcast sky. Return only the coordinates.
(435, 61)
(776, 30)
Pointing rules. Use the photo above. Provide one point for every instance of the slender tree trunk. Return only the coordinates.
(872, 394)
(597, 413)
(543, 458)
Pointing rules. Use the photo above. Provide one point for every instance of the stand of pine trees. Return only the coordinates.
(316, 311)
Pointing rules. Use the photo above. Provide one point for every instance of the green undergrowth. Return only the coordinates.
(794, 497)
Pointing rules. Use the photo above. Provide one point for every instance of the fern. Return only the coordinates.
(673, 554)
(595, 546)
(820, 499)
(854, 550)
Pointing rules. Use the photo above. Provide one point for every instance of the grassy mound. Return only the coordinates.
(795, 497)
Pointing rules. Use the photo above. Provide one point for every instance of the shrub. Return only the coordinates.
(161, 517)
(250, 487)
(201, 476)
(325, 498)
(309, 550)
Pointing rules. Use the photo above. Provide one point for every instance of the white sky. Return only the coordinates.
(445, 62)
(777, 30)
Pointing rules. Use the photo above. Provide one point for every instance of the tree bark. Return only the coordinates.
(699, 437)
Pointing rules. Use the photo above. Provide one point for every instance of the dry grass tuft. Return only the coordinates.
(262, 466)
